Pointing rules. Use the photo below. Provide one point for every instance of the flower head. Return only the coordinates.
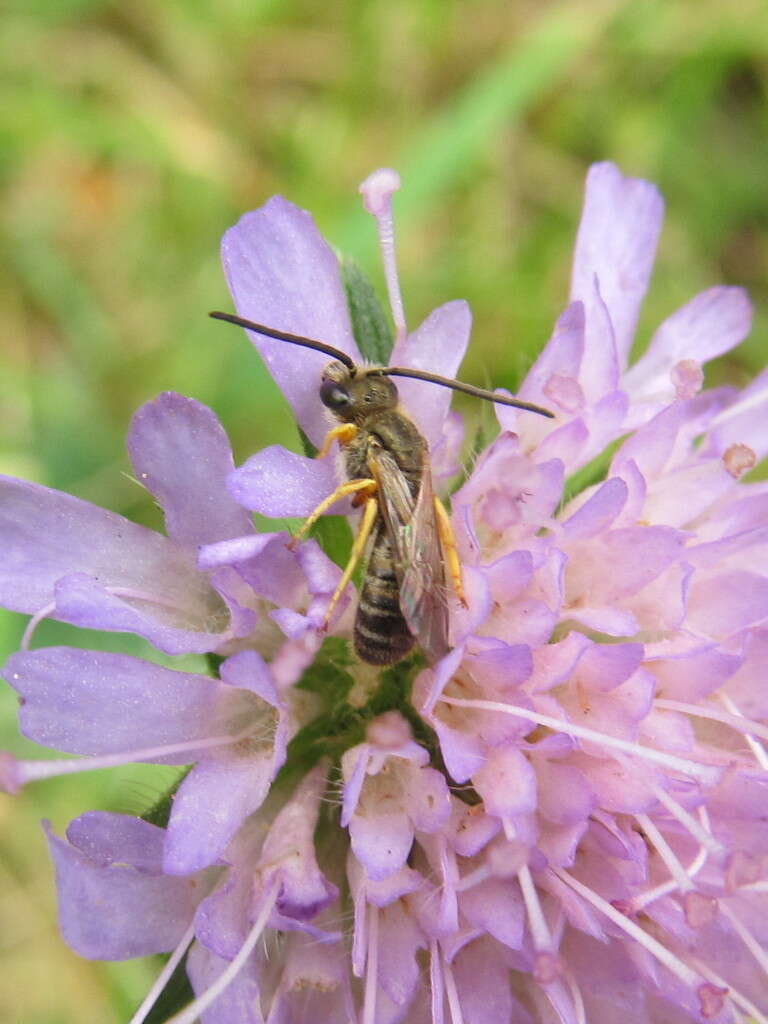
(561, 819)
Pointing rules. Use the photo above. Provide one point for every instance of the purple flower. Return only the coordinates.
(564, 818)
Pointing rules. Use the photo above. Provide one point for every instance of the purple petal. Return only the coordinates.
(93, 702)
(600, 366)
(619, 229)
(564, 795)
(727, 603)
(605, 619)
(482, 979)
(284, 275)
(82, 600)
(277, 483)
(599, 511)
(507, 783)
(745, 421)
(561, 356)
(47, 535)
(108, 838)
(240, 1002)
(381, 842)
(602, 667)
(712, 323)
(497, 908)
(399, 940)
(210, 806)
(115, 912)
(437, 345)
(181, 454)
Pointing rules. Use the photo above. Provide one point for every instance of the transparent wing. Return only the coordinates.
(412, 531)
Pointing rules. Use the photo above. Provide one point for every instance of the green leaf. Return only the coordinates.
(369, 322)
(160, 811)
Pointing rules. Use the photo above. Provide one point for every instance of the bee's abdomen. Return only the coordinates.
(381, 633)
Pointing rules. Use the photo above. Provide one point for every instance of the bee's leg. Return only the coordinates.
(370, 513)
(450, 552)
(343, 434)
(350, 487)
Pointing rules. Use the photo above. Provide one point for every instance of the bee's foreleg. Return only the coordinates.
(450, 551)
(343, 434)
(342, 491)
(370, 512)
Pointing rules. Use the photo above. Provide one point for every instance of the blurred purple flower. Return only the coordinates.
(567, 820)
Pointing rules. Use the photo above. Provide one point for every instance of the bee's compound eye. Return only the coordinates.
(333, 396)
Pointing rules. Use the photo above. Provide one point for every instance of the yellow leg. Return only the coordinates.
(366, 525)
(343, 433)
(350, 487)
(450, 553)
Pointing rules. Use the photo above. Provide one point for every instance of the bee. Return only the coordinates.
(405, 533)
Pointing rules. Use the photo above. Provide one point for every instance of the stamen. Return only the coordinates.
(733, 994)
(654, 947)
(436, 987)
(164, 976)
(638, 902)
(746, 936)
(457, 1017)
(761, 756)
(706, 774)
(473, 878)
(196, 1009)
(664, 850)
(576, 996)
(371, 967)
(698, 829)
(129, 592)
(738, 722)
(34, 622)
(32, 771)
(377, 191)
(542, 938)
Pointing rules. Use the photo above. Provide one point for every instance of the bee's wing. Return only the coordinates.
(412, 531)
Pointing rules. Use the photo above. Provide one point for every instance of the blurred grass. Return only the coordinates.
(131, 135)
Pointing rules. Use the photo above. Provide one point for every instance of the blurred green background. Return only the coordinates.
(133, 134)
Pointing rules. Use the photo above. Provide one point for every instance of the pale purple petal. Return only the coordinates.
(482, 979)
(437, 345)
(240, 1001)
(209, 807)
(118, 838)
(82, 600)
(561, 356)
(507, 783)
(745, 421)
(381, 842)
(93, 702)
(277, 483)
(599, 511)
(400, 938)
(600, 366)
(116, 912)
(497, 907)
(619, 229)
(727, 603)
(182, 456)
(284, 275)
(564, 794)
(713, 322)
(48, 534)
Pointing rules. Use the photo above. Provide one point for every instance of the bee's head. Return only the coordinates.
(352, 395)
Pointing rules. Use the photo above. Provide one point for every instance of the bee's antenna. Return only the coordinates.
(468, 389)
(294, 339)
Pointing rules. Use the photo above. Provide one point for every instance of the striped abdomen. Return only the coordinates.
(381, 634)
